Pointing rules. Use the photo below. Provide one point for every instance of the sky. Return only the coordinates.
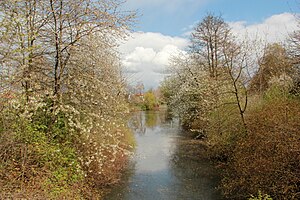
(163, 28)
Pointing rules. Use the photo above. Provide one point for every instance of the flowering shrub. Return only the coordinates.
(63, 112)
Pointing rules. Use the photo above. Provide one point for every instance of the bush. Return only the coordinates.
(268, 158)
(150, 101)
(224, 129)
(37, 149)
(48, 152)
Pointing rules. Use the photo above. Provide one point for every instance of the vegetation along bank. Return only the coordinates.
(63, 128)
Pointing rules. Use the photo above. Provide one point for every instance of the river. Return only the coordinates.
(166, 164)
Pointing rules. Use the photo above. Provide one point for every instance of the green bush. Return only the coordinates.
(41, 149)
(150, 100)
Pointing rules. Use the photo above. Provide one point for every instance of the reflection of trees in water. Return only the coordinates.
(196, 176)
(157, 118)
(140, 121)
(151, 119)
(137, 123)
(119, 191)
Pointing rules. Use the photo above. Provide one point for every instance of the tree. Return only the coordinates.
(150, 100)
(73, 21)
(274, 63)
(188, 91)
(236, 62)
(22, 23)
(46, 33)
(210, 82)
(294, 53)
(208, 39)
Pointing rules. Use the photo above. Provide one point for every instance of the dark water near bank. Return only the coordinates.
(165, 165)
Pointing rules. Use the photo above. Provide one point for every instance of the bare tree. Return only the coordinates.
(236, 63)
(207, 42)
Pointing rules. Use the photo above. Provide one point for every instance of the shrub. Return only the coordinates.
(47, 151)
(40, 150)
(268, 158)
(150, 100)
(224, 130)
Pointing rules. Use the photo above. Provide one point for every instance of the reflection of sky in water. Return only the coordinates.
(152, 175)
(153, 151)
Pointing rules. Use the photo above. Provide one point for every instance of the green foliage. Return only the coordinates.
(50, 147)
(277, 91)
(150, 101)
(142, 106)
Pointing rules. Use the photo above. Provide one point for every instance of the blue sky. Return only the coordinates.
(170, 17)
(163, 27)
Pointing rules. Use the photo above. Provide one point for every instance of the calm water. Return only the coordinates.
(159, 169)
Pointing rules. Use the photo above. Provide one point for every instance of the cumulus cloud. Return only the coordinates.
(151, 40)
(146, 55)
(273, 29)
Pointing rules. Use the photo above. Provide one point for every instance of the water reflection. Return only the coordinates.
(137, 123)
(151, 119)
(190, 165)
(160, 168)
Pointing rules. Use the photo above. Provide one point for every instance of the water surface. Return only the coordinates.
(161, 168)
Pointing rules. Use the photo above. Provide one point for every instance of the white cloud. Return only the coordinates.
(163, 56)
(146, 55)
(273, 29)
(151, 40)
(141, 54)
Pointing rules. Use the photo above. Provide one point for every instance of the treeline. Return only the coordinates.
(140, 100)
(63, 132)
(244, 100)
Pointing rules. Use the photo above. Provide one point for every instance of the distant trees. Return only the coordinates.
(150, 100)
